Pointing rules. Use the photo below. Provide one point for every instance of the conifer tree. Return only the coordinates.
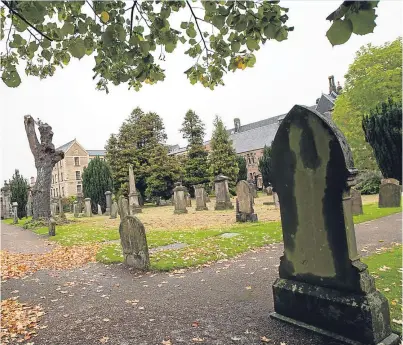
(97, 179)
(383, 131)
(243, 170)
(19, 193)
(196, 167)
(265, 166)
(141, 143)
(223, 158)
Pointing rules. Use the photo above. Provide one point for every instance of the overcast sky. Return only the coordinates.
(291, 72)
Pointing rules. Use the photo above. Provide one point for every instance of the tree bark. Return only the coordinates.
(45, 157)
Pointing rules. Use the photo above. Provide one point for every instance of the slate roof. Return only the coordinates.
(66, 146)
(326, 103)
(96, 152)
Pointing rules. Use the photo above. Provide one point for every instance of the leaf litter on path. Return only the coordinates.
(16, 265)
(19, 321)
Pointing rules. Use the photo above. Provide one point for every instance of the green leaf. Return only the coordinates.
(45, 43)
(169, 47)
(11, 78)
(209, 5)
(363, 21)
(340, 32)
(66, 59)
(184, 25)
(67, 29)
(46, 54)
(165, 12)
(33, 47)
(144, 47)
(281, 34)
(192, 41)
(218, 21)
(235, 46)
(270, 31)
(252, 44)
(77, 48)
(251, 60)
(241, 25)
(18, 40)
(182, 39)
(191, 32)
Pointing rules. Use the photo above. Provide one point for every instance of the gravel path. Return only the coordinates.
(19, 240)
(223, 304)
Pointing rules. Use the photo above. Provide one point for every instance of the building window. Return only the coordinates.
(76, 161)
(57, 192)
(78, 175)
(55, 178)
(62, 191)
(79, 188)
(61, 176)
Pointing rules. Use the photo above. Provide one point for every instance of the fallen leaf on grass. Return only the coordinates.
(248, 288)
(195, 324)
(265, 339)
(384, 268)
(386, 290)
(166, 342)
(235, 338)
(399, 322)
(106, 320)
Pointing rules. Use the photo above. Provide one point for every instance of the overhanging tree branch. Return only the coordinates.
(131, 17)
(6, 3)
(198, 28)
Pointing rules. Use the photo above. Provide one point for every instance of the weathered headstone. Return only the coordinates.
(389, 180)
(390, 195)
(253, 189)
(114, 210)
(269, 190)
(87, 207)
(133, 238)
(188, 200)
(52, 227)
(134, 203)
(200, 195)
(356, 202)
(180, 199)
(244, 209)
(207, 197)
(29, 204)
(223, 200)
(15, 212)
(163, 202)
(61, 210)
(75, 209)
(99, 210)
(108, 197)
(323, 285)
(6, 196)
(276, 200)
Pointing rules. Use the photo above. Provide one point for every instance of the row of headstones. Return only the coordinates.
(181, 197)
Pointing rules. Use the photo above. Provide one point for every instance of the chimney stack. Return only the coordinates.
(339, 88)
(237, 125)
(332, 85)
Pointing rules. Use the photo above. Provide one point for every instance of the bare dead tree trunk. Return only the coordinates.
(45, 159)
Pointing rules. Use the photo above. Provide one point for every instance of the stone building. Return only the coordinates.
(249, 140)
(67, 174)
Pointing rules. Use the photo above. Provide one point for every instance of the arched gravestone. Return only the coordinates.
(323, 285)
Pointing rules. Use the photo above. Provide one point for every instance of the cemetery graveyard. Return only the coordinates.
(216, 208)
(198, 235)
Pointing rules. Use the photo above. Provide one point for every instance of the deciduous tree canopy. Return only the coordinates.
(373, 77)
(127, 40)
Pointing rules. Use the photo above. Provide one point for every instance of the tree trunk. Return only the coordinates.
(45, 157)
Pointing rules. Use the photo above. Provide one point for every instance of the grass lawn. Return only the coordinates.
(387, 269)
(204, 242)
